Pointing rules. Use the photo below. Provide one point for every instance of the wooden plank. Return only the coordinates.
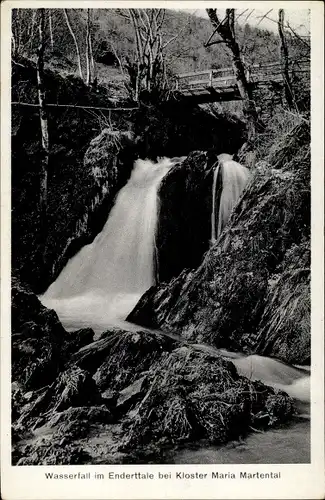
(194, 73)
(198, 82)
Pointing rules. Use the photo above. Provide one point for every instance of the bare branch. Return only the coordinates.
(208, 42)
(249, 15)
(297, 36)
(71, 106)
(264, 17)
(75, 41)
(241, 14)
(214, 43)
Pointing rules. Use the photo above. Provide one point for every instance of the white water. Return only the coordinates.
(234, 179)
(102, 283)
(214, 193)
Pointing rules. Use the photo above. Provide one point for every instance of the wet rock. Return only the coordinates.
(53, 454)
(109, 397)
(118, 358)
(74, 387)
(76, 340)
(194, 395)
(36, 341)
(184, 228)
(131, 394)
(91, 414)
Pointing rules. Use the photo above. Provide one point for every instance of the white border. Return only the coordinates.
(297, 481)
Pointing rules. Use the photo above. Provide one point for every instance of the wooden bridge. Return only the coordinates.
(220, 84)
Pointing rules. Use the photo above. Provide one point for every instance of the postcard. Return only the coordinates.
(162, 244)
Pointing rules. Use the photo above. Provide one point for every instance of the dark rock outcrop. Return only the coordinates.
(173, 128)
(236, 296)
(284, 330)
(117, 359)
(37, 340)
(184, 229)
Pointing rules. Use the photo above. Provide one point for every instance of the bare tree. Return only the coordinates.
(75, 42)
(225, 28)
(43, 119)
(284, 57)
(90, 63)
(51, 29)
(88, 70)
(148, 72)
(20, 28)
(91, 53)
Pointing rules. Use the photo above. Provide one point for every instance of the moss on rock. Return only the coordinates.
(194, 395)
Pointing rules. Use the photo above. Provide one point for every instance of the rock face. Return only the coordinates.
(184, 229)
(252, 284)
(37, 340)
(284, 330)
(173, 129)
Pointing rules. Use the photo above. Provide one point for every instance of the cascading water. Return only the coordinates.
(103, 282)
(234, 179)
(214, 204)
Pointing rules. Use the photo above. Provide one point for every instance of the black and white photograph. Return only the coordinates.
(160, 235)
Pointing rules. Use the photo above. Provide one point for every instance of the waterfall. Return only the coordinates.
(234, 179)
(106, 278)
(214, 193)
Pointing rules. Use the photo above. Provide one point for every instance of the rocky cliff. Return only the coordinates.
(184, 228)
(251, 292)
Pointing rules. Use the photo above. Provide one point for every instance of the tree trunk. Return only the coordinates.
(75, 42)
(285, 62)
(91, 55)
(51, 29)
(44, 125)
(88, 74)
(226, 29)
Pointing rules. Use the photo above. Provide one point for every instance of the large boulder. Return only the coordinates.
(184, 229)
(117, 359)
(41, 347)
(37, 340)
(195, 395)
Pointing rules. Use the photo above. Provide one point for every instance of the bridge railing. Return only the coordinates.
(224, 77)
(204, 78)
